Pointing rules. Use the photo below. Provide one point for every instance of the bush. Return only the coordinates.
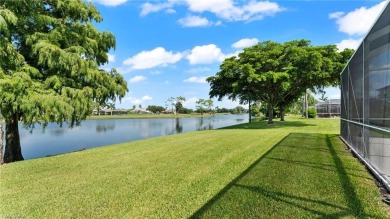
(312, 113)
(185, 111)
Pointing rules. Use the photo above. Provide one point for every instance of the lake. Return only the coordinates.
(94, 133)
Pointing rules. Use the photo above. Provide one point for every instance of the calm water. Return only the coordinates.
(93, 133)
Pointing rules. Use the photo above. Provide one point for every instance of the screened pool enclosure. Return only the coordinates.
(365, 100)
(329, 108)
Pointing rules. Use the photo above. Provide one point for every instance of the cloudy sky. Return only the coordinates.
(169, 47)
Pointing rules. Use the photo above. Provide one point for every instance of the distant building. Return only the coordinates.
(109, 112)
(365, 100)
(329, 108)
(140, 111)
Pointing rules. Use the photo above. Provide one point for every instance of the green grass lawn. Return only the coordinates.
(293, 169)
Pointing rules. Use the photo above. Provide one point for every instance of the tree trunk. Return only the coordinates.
(270, 114)
(250, 112)
(13, 151)
(282, 114)
(306, 105)
(1, 142)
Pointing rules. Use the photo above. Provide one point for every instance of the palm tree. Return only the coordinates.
(111, 106)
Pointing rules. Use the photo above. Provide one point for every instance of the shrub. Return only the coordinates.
(184, 110)
(312, 113)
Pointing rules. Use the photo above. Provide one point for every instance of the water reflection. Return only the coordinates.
(178, 127)
(58, 132)
(105, 128)
(204, 124)
(93, 133)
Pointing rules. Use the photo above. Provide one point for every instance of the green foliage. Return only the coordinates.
(238, 109)
(202, 105)
(49, 69)
(255, 109)
(155, 109)
(176, 102)
(277, 74)
(312, 113)
(223, 110)
(184, 110)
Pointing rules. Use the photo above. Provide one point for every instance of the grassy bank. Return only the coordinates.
(295, 169)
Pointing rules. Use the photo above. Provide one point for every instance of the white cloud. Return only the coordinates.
(111, 58)
(359, 21)
(154, 58)
(137, 79)
(205, 54)
(236, 53)
(247, 42)
(198, 70)
(200, 80)
(146, 97)
(170, 11)
(110, 2)
(148, 8)
(336, 15)
(190, 102)
(348, 43)
(228, 10)
(194, 21)
(136, 101)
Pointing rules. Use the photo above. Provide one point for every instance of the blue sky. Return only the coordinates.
(167, 48)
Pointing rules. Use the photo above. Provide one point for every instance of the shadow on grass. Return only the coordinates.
(278, 184)
(263, 125)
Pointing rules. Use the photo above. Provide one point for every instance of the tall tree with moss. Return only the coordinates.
(50, 54)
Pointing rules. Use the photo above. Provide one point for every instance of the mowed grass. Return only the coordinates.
(293, 169)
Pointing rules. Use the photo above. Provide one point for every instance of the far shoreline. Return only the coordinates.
(153, 116)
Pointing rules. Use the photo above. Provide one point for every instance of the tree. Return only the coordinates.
(255, 110)
(258, 74)
(176, 103)
(311, 68)
(223, 110)
(179, 103)
(1, 139)
(184, 110)
(277, 74)
(209, 103)
(49, 69)
(199, 105)
(323, 97)
(172, 101)
(155, 109)
(110, 106)
(238, 110)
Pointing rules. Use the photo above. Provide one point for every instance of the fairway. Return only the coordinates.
(294, 169)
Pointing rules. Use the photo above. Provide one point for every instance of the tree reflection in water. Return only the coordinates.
(204, 124)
